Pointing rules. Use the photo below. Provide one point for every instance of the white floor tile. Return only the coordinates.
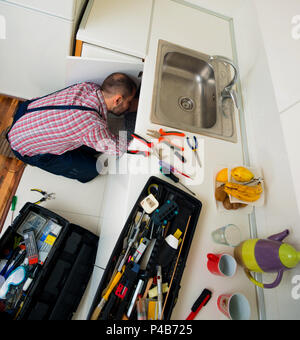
(110, 232)
(71, 196)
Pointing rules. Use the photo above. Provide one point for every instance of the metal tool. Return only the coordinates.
(45, 197)
(133, 234)
(139, 152)
(169, 174)
(174, 170)
(106, 296)
(194, 148)
(175, 268)
(159, 291)
(150, 145)
(161, 136)
(142, 140)
(161, 133)
(13, 207)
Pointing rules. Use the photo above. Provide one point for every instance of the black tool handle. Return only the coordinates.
(142, 140)
(179, 156)
(138, 152)
(200, 299)
(166, 172)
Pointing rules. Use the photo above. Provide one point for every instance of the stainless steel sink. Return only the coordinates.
(189, 93)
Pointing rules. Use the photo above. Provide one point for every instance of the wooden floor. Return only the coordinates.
(11, 170)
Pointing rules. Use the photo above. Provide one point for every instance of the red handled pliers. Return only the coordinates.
(162, 134)
(150, 145)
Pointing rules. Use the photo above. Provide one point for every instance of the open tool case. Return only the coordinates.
(56, 280)
(150, 265)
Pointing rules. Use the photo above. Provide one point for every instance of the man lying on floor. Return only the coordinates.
(64, 132)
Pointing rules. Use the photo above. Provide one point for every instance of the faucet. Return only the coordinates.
(228, 91)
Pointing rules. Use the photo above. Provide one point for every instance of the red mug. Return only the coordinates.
(221, 264)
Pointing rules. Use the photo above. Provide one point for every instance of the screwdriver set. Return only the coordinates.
(143, 275)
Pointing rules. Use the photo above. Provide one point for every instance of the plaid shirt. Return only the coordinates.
(58, 131)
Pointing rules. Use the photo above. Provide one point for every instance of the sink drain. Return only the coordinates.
(186, 103)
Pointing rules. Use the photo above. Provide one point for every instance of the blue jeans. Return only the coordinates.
(77, 164)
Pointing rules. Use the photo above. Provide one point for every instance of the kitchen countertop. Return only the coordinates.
(214, 154)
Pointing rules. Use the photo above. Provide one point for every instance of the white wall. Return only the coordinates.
(280, 27)
(271, 144)
(282, 53)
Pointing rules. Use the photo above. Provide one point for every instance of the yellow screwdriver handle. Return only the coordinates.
(113, 283)
(105, 297)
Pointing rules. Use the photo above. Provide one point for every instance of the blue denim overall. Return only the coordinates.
(77, 164)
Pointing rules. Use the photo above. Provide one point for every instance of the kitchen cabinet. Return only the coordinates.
(116, 25)
(39, 37)
(97, 52)
(80, 69)
(69, 10)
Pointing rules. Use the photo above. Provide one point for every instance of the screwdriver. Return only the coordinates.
(13, 207)
(169, 174)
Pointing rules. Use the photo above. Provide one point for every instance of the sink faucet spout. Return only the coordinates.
(228, 91)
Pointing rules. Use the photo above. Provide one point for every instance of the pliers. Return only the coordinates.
(150, 145)
(161, 136)
(194, 148)
(45, 197)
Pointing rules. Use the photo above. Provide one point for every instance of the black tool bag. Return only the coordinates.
(177, 214)
(56, 283)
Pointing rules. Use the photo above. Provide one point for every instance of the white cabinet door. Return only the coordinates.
(117, 25)
(96, 70)
(32, 57)
(92, 51)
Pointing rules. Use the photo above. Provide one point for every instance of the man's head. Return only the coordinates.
(118, 91)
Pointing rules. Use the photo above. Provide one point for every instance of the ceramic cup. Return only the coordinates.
(228, 235)
(234, 306)
(221, 264)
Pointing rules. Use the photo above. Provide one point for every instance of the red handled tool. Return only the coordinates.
(139, 152)
(161, 134)
(169, 174)
(200, 303)
(150, 145)
(171, 133)
(142, 140)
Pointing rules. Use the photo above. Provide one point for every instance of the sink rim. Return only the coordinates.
(216, 131)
